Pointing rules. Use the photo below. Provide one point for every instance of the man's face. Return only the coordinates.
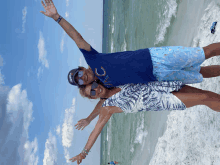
(87, 77)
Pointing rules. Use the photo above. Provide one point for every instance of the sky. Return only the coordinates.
(38, 107)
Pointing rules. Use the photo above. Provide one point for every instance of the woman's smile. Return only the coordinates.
(100, 89)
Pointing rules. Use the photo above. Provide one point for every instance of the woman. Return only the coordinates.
(132, 98)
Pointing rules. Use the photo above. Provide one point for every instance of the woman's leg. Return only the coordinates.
(191, 96)
(212, 50)
(210, 71)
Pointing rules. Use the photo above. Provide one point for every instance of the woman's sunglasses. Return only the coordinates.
(93, 92)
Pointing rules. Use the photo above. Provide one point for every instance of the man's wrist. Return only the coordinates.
(56, 16)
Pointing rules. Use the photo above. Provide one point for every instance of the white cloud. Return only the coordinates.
(30, 149)
(67, 14)
(24, 12)
(67, 3)
(42, 51)
(67, 130)
(40, 71)
(16, 116)
(50, 152)
(1, 78)
(80, 61)
(58, 130)
(62, 45)
(64, 34)
(67, 155)
(18, 103)
(67, 127)
(1, 61)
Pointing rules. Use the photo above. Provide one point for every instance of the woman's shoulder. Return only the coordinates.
(130, 85)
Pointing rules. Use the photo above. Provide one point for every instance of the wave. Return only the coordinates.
(169, 11)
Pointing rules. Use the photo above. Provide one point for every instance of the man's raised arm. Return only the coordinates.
(69, 29)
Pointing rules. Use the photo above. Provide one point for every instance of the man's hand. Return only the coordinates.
(82, 124)
(50, 9)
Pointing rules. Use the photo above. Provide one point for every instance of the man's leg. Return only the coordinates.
(212, 50)
(210, 71)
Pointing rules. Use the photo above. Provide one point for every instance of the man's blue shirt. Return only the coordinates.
(120, 68)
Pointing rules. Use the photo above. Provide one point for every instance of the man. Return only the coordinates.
(120, 68)
(140, 66)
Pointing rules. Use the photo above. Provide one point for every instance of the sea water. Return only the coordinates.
(189, 137)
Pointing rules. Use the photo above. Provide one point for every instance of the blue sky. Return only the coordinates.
(38, 107)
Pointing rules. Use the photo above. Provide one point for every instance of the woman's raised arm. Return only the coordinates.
(81, 124)
(104, 115)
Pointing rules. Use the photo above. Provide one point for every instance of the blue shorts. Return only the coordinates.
(177, 63)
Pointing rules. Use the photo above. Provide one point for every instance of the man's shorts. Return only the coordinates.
(177, 63)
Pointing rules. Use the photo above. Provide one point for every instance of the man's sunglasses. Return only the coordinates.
(80, 74)
(93, 92)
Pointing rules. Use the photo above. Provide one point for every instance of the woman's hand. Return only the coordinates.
(78, 158)
(82, 124)
(50, 9)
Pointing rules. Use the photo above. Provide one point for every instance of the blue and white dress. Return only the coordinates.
(154, 96)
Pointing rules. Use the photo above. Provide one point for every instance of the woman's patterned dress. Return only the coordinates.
(154, 96)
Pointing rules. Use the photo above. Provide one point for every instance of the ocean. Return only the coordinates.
(189, 137)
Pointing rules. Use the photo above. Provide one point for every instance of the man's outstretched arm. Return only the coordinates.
(69, 29)
(73, 33)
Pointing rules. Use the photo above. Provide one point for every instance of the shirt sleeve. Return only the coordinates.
(89, 53)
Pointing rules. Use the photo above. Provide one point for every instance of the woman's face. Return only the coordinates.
(97, 91)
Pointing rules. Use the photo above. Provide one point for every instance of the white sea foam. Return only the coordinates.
(132, 149)
(165, 18)
(192, 137)
(112, 46)
(204, 36)
(140, 132)
(109, 134)
(112, 24)
(124, 44)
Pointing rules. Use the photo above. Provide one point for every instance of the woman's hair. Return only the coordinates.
(108, 163)
(83, 93)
